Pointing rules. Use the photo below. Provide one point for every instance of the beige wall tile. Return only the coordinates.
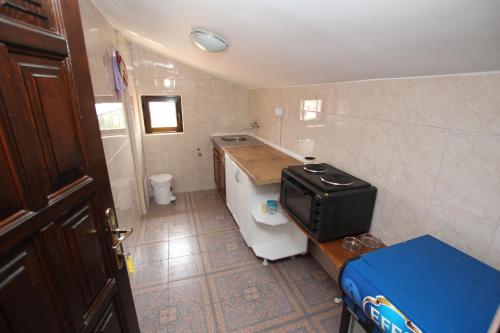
(417, 156)
(493, 256)
(478, 106)
(405, 214)
(378, 227)
(112, 144)
(470, 174)
(461, 229)
(327, 93)
(429, 101)
(346, 142)
(376, 147)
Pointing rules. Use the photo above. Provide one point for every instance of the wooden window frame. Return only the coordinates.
(145, 99)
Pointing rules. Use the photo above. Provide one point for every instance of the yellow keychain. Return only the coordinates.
(129, 261)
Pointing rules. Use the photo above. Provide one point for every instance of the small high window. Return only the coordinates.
(162, 114)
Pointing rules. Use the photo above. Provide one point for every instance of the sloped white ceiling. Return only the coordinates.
(292, 42)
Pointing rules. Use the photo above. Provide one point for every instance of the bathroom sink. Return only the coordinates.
(234, 138)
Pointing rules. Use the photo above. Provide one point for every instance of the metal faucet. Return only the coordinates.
(252, 124)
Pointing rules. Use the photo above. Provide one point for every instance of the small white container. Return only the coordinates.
(162, 188)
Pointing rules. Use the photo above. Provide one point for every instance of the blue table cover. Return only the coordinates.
(423, 285)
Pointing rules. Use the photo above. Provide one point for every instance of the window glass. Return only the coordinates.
(163, 114)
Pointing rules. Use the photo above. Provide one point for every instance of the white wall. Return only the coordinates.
(430, 145)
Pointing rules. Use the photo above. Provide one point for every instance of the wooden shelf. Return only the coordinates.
(334, 250)
(338, 254)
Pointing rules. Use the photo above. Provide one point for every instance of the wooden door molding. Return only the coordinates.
(57, 268)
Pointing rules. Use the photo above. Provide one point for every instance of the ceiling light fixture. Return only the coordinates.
(208, 41)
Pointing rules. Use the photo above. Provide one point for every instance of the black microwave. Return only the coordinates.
(327, 211)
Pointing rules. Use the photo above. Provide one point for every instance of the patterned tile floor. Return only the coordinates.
(194, 273)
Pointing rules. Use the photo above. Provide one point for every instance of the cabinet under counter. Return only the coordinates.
(271, 236)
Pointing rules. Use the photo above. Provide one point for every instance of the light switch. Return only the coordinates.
(278, 111)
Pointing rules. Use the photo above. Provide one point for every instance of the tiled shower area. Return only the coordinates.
(194, 273)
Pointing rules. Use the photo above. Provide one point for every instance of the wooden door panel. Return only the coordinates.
(10, 198)
(110, 322)
(33, 12)
(29, 302)
(59, 260)
(45, 83)
(21, 152)
(76, 257)
(86, 256)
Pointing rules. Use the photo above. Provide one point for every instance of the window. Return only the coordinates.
(162, 114)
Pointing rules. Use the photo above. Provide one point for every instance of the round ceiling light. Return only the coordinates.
(208, 41)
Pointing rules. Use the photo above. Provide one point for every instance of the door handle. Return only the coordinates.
(118, 235)
(122, 235)
(119, 231)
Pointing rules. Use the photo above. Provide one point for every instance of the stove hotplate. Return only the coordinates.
(315, 168)
(337, 179)
(329, 179)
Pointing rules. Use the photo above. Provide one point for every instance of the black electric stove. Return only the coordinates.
(328, 202)
(327, 178)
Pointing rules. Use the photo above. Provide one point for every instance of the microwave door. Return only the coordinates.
(298, 201)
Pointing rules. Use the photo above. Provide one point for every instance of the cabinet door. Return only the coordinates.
(230, 185)
(243, 197)
(235, 179)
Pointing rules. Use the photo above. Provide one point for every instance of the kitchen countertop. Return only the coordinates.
(261, 162)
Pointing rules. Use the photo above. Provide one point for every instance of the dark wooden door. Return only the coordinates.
(58, 271)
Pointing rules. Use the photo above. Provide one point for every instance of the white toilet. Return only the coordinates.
(162, 188)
